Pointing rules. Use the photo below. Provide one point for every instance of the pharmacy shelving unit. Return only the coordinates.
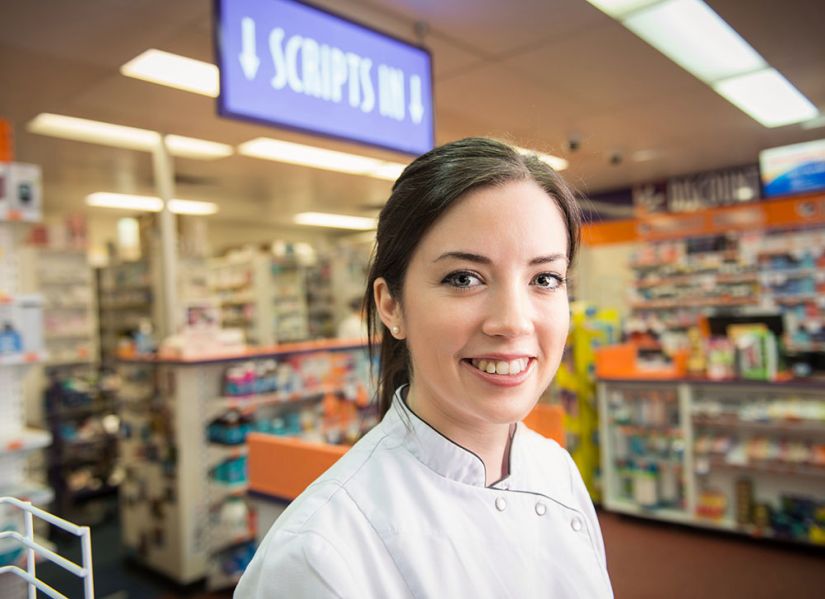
(290, 305)
(741, 456)
(21, 334)
(125, 300)
(778, 271)
(241, 281)
(320, 300)
(172, 494)
(65, 279)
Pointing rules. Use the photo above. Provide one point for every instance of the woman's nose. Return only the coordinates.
(508, 314)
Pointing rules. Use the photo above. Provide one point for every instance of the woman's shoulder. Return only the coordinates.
(327, 499)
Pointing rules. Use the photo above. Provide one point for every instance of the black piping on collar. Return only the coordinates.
(400, 395)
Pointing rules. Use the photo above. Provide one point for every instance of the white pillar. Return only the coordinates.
(165, 184)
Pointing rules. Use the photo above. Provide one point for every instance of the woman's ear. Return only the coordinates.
(389, 308)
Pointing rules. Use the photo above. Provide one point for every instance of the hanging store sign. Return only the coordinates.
(788, 170)
(288, 64)
(714, 189)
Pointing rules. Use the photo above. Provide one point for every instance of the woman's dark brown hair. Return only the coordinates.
(423, 192)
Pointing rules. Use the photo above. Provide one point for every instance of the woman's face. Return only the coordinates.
(484, 306)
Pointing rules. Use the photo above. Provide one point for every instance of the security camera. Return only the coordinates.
(615, 159)
(573, 143)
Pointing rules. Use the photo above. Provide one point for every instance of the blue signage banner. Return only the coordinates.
(292, 65)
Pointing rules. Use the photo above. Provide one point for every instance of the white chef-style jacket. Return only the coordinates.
(406, 513)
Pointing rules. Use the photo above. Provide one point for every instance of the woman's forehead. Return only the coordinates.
(517, 216)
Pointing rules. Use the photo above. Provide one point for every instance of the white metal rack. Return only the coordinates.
(34, 549)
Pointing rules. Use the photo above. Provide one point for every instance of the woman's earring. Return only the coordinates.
(395, 330)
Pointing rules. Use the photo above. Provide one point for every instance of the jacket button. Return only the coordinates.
(501, 504)
(541, 509)
(576, 524)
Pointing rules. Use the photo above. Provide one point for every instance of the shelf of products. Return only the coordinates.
(291, 312)
(751, 455)
(677, 282)
(66, 281)
(241, 283)
(125, 305)
(320, 299)
(83, 417)
(21, 332)
(186, 482)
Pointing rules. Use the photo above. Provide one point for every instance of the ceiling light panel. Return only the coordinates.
(336, 221)
(123, 201)
(696, 38)
(140, 203)
(767, 97)
(173, 70)
(693, 36)
(190, 147)
(67, 127)
(331, 160)
(621, 8)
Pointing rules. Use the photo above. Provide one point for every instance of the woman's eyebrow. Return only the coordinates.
(479, 259)
(548, 258)
(468, 256)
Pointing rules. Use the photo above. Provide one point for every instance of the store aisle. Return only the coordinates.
(655, 560)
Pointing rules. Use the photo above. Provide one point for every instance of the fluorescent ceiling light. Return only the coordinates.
(558, 164)
(107, 134)
(388, 170)
(696, 38)
(173, 70)
(192, 207)
(693, 36)
(336, 221)
(767, 97)
(620, 8)
(331, 160)
(190, 147)
(123, 201)
(814, 123)
(132, 138)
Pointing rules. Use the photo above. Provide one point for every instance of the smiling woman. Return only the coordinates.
(451, 495)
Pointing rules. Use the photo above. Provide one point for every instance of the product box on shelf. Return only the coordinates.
(20, 191)
(21, 325)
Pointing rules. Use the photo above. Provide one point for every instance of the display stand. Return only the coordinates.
(740, 456)
(178, 482)
(34, 550)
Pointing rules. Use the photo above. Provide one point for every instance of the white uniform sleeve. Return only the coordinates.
(298, 566)
(582, 498)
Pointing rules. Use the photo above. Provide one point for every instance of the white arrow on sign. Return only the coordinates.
(248, 57)
(416, 108)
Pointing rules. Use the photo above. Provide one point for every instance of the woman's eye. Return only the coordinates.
(462, 280)
(547, 280)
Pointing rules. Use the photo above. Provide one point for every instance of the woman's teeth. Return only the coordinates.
(501, 366)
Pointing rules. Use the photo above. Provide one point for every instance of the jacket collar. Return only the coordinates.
(437, 452)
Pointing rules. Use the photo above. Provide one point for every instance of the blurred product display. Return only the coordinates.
(737, 456)
(185, 424)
